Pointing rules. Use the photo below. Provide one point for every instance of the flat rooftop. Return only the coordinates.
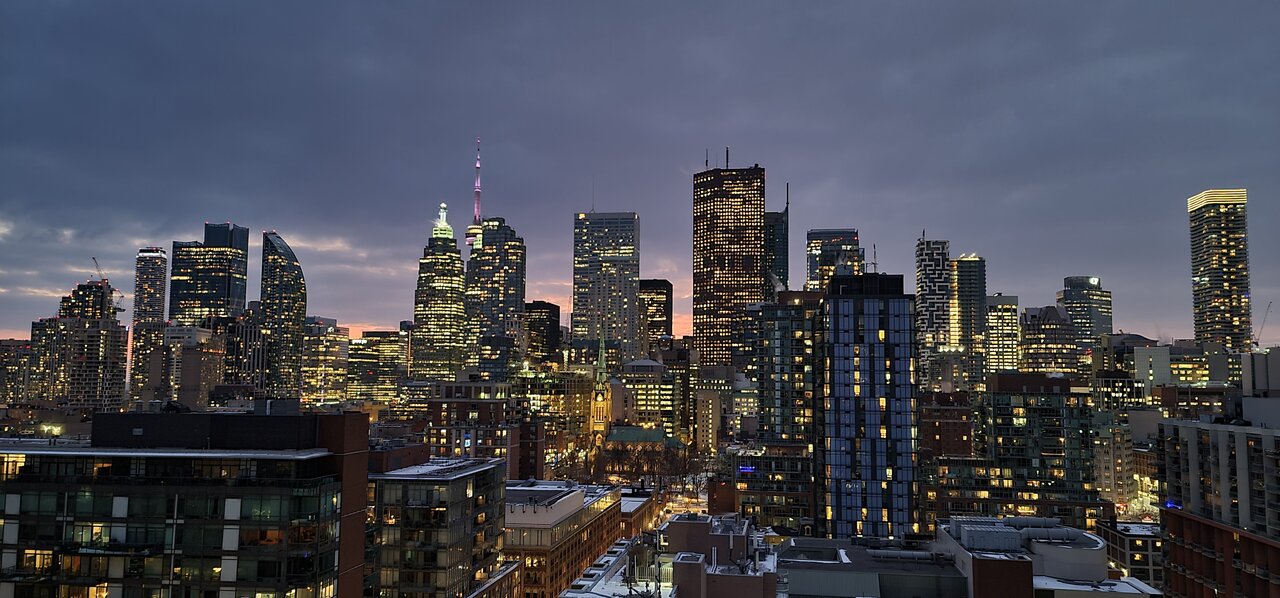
(549, 492)
(439, 469)
(1149, 530)
(840, 555)
(1127, 585)
(84, 450)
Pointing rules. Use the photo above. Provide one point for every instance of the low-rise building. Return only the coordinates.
(1134, 549)
(556, 529)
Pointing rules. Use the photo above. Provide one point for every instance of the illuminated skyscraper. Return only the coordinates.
(1048, 342)
(1089, 306)
(831, 252)
(80, 353)
(439, 341)
(208, 279)
(284, 313)
(151, 273)
(324, 360)
(868, 452)
(728, 257)
(376, 365)
(968, 319)
(777, 235)
(494, 298)
(1002, 333)
(606, 282)
(656, 295)
(933, 309)
(1220, 268)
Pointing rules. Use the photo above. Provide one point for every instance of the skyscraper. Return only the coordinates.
(1220, 268)
(376, 365)
(325, 353)
(80, 354)
(777, 235)
(284, 313)
(1048, 342)
(933, 308)
(151, 273)
(495, 297)
(969, 319)
(656, 295)
(439, 339)
(606, 282)
(208, 279)
(728, 257)
(868, 454)
(831, 252)
(1089, 306)
(1002, 333)
(542, 320)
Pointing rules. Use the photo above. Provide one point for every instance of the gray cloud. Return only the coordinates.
(1054, 139)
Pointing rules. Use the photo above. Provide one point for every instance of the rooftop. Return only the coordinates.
(14, 446)
(439, 469)
(840, 555)
(1127, 585)
(1147, 530)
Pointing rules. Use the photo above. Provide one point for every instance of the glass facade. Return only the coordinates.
(439, 341)
(606, 282)
(831, 251)
(151, 275)
(1220, 268)
(728, 257)
(325, 352)
(284, 314)
(494, 298)
(208, 279)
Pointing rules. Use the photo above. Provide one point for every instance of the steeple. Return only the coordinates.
(473, 231)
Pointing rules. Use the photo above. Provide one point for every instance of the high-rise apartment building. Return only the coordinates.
(656, 296)
(495, 297)
(968, 325)
(1048, 344)
(1089, 306)
(186, 369)
(439, 340)
(831, 252)
(193, 504)
(81, 353)
(151, 275)
(933, 308)
(325, 352)
(728, 257)
(777, 235)
(284, 314)
(542, 321)
(17, 371)
(1220, 268)
(208, 279)
(606, 282)
(1003, 333)
(868, 452)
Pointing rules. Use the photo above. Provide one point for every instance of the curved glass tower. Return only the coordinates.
(438, 342)
(284, 311)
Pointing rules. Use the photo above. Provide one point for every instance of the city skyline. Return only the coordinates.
(361, 223)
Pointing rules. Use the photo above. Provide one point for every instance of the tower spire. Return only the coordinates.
(473, 231)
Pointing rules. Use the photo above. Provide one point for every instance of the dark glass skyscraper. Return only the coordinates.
(831, 252)
(495, 297)
(968, 320)
(151, 273)
(284, 313)
(655, 294)
(777, 234)
(208, 279)
(542, 319)
(728, 257)
(868, 445)
(1089, 306)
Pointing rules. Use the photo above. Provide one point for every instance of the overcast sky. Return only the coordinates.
(1054, 139)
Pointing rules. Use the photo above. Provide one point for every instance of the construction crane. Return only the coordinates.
(1257, 337)
(117, 296)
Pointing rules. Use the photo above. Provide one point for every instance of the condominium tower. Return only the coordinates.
(831, 252)
(284, 313)
(151, 275)
(1220, 267)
